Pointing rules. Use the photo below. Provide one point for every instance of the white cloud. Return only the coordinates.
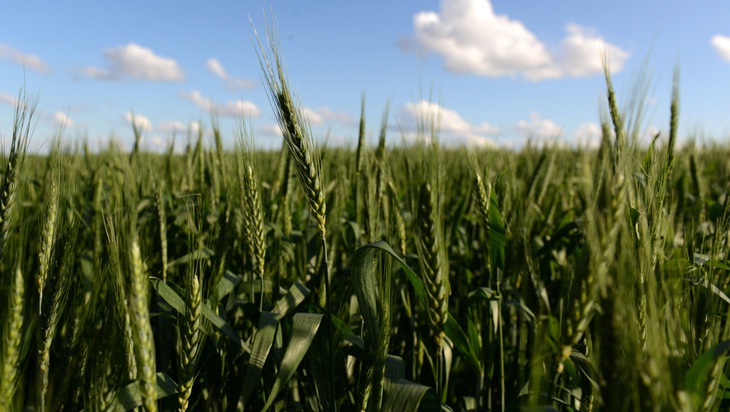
(155, 143)
(270, 129)
(171, 127)
(588, 135)
(447, 119)
(582, 52)
(314, 118)
(174, 126)
(538, 128)
(142, 122)
(97, 73)
(195, 127)
(8, 99)
(62, 119)
(232, 108)
(453, 129)
(472, 39)
(137, 62)
(197, 99)
(217, 68)
(650, 133)
(30, 61)
(317, 117)
(233, 83)
(722, 46)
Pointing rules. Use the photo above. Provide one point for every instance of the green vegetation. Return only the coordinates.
(396, 279)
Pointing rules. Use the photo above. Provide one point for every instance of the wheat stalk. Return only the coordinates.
(360, 151)
(162, 223)
(381, 169)
(400, 224)
(371, 209)
(97, 223)
(299, 140)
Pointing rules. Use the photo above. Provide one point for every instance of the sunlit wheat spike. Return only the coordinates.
(12, 340)
(481, 196)
(22, 124)
(380, 152)
(48, 238)
(285, 217)
(711, 393)
(616, 118)
(253, 217)
(432, 262)
(190, 335)
(306, 165)
(673, 119)
(258, 236)
(143, 339)
(360, 151)
(296, 133)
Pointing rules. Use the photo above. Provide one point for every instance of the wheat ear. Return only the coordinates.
(253, 217)
(360, 151)
(12, 340)
(297, 136)
(48, 238)
(19, 144)
(190, 336)
(143, 339)
(433, 265)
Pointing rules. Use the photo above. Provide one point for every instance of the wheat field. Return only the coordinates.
(389, 278)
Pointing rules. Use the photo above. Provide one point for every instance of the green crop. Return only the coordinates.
(313, 278)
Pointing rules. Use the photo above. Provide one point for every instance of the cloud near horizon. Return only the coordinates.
(8, 99)
(142, 122)
(722, 46)
(174, 126)
(452, 128)
(472, 39)
(588, 135)
(232, 83)
(62, 119)
(323, 115)
(135, 62)
(231, 108)
(30, 61)
(539, 128)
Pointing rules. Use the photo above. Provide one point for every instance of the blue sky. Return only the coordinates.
(498, 72)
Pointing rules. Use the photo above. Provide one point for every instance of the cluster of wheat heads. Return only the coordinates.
(382, 278)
